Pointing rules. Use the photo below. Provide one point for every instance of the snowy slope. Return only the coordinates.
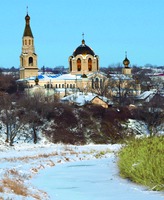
(66, 172)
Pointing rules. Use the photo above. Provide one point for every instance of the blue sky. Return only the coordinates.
(111, 27)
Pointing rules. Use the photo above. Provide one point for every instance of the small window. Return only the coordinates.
(89, 64)
(30, 60)
(78, 64)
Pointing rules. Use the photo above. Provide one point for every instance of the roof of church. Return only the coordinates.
(83, 49)
(27, 30)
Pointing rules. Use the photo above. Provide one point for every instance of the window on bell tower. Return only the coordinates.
(30, 61)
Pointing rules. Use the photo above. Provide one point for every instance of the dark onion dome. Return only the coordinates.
(27, 30)
(126, 62)
(83, 49)
(84, 76)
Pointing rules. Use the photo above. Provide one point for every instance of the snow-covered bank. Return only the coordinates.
(94, 179)
(22, 163)
(65, 172)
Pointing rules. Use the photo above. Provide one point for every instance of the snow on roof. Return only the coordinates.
(120, 76)
(81, 99)
(146, 95)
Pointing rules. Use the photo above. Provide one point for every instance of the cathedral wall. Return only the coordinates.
(84, 63)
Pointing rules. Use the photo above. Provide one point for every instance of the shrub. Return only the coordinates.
(141, 161)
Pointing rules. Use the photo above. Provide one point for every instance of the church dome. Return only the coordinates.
(126, 61)
(83, 49)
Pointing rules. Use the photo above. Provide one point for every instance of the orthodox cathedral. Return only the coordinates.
(84, 73)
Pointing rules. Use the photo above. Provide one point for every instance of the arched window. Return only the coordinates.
(97, 83)
(78, 64)
(30, 61)
(101, 83)
(93, 86)
(70, 64)
(29, 42)
(89, 64)
(25, 42)
(97, 65)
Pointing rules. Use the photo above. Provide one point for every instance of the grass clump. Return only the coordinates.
(16, 186)
(142, 161)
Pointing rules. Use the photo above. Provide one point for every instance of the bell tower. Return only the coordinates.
(126, 70)
(28, 57)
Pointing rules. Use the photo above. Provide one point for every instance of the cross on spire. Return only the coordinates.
(27, 9)
(83, 36)
(125, 54)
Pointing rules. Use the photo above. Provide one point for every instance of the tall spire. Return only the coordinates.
(27, 30)
(83, 36)
(27, 9)
(125, 54)
(83, 41)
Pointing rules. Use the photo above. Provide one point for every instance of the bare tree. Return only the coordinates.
(121, 89)
(9, 116)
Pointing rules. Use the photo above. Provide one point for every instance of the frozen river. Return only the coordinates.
(86, 180)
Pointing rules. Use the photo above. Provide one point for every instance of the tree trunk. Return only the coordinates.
(35, 135)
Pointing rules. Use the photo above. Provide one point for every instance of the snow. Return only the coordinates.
(81, 98)
(95, 179)
(146, 95)
(138, 127)
(58, 171)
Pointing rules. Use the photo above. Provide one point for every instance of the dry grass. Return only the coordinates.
(1, 189)
(51, 163)
(26, 158)
(15, 185)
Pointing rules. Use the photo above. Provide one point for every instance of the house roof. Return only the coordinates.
(81, 99)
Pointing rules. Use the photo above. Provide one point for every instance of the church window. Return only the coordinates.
(62, 85)
(78, 64)
(70, 85)
(59, 86)
(22, 61)
(56, 85)
(89, 64)
(70, 64)
(92, 83)
(25, 42)
(97, 65)
(101, 83)
(30, 61)
(29, 42)
(97, 83)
